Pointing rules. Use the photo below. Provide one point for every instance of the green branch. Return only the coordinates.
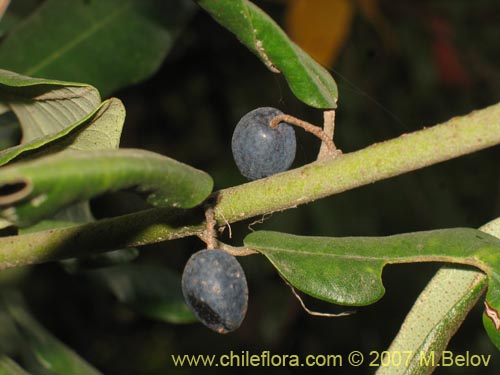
(456, 137)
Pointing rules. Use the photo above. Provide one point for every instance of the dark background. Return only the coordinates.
(188, 110)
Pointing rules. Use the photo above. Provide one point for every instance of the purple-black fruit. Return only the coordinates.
(215, 288)
(259, 150)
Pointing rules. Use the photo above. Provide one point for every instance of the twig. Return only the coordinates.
(329, 130)
(313, 129)
(236, 251)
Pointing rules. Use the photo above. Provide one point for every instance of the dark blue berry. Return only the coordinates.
(259, 150)
(215, 288)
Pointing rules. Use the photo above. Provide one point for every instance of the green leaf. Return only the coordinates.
(50, 354)
(34, 190)
(10, 367)
(102, 131)
(153, 291)
(308, 80)
(46, 109)
(348, 271)
(107, 43)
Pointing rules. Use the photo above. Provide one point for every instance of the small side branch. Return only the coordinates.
(313, 129)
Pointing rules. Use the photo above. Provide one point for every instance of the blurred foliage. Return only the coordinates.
(320, 27)
(86, 39)
(431, 60)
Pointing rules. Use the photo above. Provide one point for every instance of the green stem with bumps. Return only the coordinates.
(456, 137)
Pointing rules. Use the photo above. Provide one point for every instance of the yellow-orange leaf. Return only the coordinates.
(320, 27)
(3, 7)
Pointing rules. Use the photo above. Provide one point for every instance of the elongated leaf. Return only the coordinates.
(101, 132)
(10, 367)
(50, 354)
(153, 291)
(107, 43)
(348, 271)
(46, 109)
(309, 81)
(34, 190)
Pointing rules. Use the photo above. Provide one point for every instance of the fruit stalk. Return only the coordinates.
(313, 129)
(456, 137)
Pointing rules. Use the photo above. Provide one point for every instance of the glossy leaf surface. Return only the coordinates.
(348, 271)
(107, 43)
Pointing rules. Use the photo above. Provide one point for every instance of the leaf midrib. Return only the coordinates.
(387, 260)
(294, 50)
(78, 40)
